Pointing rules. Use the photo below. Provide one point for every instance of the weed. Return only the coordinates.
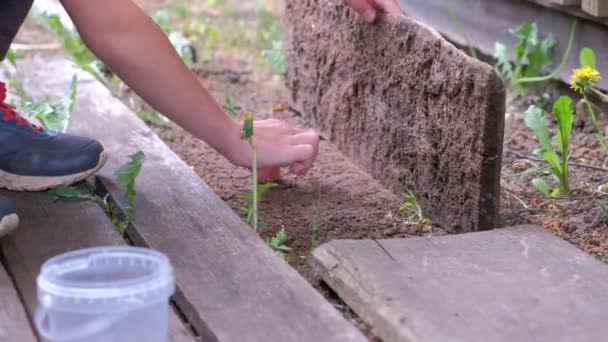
(278, 244)
(583, 81)
(247, 134)
(563, 113)
(72, 193)
(410, 201)
(532, 56)
(275, 58)
(316, 222)
(52, 113)
(231, 107)
(249, 210)
(125, 177)
(460, 27)
(76, 47)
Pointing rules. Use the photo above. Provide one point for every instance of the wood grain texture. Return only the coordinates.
(48, 229)
(513, 284)
(597, 8)
(566, 2)
(231, 286)
(14, 325)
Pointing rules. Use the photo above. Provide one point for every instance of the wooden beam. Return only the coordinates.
(597, 8)
(231, 286)
(489, 21)
(14, 325)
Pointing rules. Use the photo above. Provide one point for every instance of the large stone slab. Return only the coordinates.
(404, 103)
(513, 284)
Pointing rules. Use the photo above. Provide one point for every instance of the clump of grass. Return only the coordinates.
(278, 243)
(411, 202)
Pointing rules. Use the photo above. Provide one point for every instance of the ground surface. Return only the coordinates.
(336, 196)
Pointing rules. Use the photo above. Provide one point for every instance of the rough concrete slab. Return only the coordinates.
(404, 103)
(513, 284)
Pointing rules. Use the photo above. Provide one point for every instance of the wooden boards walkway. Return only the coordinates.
(512, 284)
(14, 325)
(230, 285)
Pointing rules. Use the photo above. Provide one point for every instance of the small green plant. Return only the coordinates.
(232, 108)
(274, 57)
(182, 45)
(411, 202)
(73, 193)
(52, 113)
(247, 134)
(532, 56)
(76, 47)
(125, 177)
(249, 209)
(278, 244)
(460, 27)
(316, 222)
(583, 81)
(558, 164)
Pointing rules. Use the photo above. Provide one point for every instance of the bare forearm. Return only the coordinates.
(133, 46)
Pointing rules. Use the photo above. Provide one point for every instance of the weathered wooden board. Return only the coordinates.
(566, 2)
(231, 286)
(597, 8)
(14, 325)
(513, 284)
(489, 21)
(48, 229)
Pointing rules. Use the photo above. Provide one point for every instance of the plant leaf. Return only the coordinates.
(563, 112)
(125, 177)
(534, 119)
(541, 186)
(68, 192)
(587, 57)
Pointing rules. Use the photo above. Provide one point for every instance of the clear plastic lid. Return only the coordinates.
(105, 279)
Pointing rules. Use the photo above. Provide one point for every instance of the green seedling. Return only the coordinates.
(411, 202)
(77, 48)
(125, 177)
(231, 108)
(182, 45)
(532, 56)
(274, 57)
(316, 223)
(250, 208)
(73, 193)
(52, 113)
(583, 81)
(558, 164)
(247, 134)
(278, 244)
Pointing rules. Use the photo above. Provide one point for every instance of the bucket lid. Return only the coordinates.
(104, 279)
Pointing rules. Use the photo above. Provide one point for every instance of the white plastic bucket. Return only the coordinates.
(105, 294)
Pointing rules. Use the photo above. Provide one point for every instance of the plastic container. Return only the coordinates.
(105, 294)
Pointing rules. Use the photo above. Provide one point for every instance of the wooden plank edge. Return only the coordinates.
(341, 278)
(14, 323)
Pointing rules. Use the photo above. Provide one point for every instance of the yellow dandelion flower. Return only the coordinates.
(247, 131)
(584, 77)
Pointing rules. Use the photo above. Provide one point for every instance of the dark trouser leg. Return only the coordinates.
(12, 15)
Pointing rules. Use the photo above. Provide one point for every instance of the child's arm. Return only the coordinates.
(134, 47)
(368, 9)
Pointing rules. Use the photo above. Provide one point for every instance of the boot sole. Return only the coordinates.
(34, 183)
(8, 224)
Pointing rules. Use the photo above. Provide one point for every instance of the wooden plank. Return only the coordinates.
(597, 8)
(567, 2)
(489, 21)
(230, 284)
(48, 229)
(14, 325)
(512, 284)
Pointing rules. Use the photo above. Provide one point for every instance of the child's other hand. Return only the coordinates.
(279, 145)
(368, 9)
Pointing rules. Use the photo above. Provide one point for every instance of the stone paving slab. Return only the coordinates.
(513, 284)
(405, 104)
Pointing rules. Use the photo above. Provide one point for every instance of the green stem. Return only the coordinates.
(458, 23)
(599, 134)
(561, 65)
(254, 176)
(599, 93)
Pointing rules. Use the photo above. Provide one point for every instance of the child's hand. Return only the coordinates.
(368, 9)
(279, 145)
